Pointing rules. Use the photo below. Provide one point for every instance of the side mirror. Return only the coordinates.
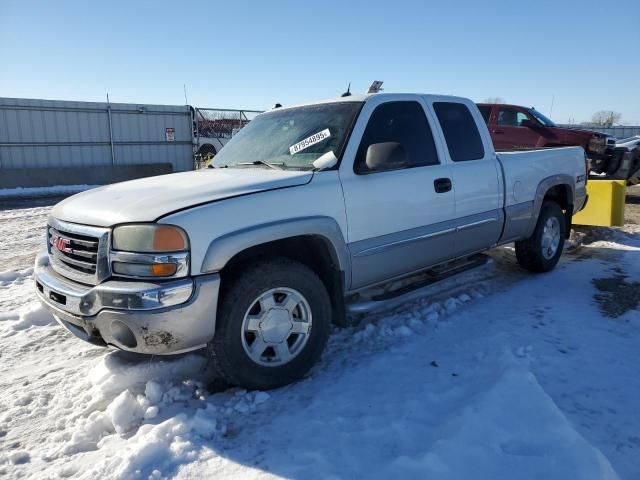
(386, 156)
(527, 123)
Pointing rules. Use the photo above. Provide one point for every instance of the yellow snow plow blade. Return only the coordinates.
(605, 207)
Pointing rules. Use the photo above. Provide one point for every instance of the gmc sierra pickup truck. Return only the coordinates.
(307, 207)
(513, 127)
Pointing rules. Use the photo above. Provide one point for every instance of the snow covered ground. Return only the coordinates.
(503, 375)
(21, 192)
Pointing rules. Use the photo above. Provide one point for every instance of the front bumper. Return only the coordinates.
(153, 318)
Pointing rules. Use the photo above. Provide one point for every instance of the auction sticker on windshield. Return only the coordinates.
(312, 140)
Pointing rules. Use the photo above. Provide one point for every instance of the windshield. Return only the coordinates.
(541, 118)
(290, 138)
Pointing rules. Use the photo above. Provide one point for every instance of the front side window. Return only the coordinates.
(510, 117)
(291, 138)
(460, 131)
(397, 136)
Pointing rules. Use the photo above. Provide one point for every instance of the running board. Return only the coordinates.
(396, 297)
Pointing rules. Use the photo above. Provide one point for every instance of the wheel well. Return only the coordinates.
(561, 194)
(313, 251)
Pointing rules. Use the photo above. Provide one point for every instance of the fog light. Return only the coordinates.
(123, 334)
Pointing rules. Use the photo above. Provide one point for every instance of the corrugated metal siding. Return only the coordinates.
(52, 133)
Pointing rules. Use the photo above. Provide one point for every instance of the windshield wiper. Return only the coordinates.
(275, 166)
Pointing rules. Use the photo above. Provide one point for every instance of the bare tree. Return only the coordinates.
(605, 118)
(494, 100)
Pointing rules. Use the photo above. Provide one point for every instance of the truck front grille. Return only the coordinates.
(79, 252)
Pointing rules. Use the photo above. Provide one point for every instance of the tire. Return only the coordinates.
(260, 341)
(536, 253)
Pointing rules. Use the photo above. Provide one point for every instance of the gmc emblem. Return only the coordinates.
(61, 244)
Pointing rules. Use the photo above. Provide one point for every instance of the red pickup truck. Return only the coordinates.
(513, 127)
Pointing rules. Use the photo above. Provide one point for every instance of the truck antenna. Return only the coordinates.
(348, 92)
(184, 88)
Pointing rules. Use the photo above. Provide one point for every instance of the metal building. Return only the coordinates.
(51, 142)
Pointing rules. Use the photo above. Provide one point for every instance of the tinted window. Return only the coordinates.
(460, 131)
(485, 110)
(399, 122)
(510, 117)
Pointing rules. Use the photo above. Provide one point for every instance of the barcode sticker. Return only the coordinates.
(312, 140)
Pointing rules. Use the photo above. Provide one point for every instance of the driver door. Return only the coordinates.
(400, 209)
(509, 133)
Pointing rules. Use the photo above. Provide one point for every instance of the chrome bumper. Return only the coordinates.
(143, 317)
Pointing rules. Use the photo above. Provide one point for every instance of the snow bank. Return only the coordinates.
(35, 315)
(11, 276)
(43, 191)
(156, 448)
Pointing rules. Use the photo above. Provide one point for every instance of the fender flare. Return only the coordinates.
(222, 249)
(544, 186)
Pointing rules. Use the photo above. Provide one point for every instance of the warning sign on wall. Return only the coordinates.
(170, 133)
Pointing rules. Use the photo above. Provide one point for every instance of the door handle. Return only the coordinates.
(497, 131)
(442, 185)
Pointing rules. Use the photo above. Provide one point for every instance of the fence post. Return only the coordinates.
(113, 157)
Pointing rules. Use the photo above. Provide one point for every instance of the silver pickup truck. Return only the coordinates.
(306, 206)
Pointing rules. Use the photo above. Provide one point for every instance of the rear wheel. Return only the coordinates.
(273, 323)
(541, 252)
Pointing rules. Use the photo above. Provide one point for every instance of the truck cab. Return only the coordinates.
(514, 127)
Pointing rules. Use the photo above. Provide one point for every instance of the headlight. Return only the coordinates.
(150, 251)
(150, 238)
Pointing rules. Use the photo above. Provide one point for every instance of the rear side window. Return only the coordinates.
(400, 122)
(485, 110)
(460, 131)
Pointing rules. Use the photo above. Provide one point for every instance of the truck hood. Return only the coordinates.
(579, 131)
(147, 199)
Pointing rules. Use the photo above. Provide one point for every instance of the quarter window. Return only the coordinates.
(460, 131)
(404, 124)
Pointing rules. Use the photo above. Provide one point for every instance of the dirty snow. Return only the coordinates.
(43, 191)
(499, 375)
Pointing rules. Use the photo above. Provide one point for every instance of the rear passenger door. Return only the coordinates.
(477, 177)
(398, 194)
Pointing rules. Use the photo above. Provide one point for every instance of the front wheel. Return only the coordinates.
(273, 323)
(541, 252)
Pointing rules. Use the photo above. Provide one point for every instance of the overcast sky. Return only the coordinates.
(581, 55)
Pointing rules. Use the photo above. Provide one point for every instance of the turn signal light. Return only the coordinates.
(163, 269)
(168, 238)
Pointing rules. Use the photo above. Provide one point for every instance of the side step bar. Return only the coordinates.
(422, 287)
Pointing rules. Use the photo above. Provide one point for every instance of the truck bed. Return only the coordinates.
(524, 171)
